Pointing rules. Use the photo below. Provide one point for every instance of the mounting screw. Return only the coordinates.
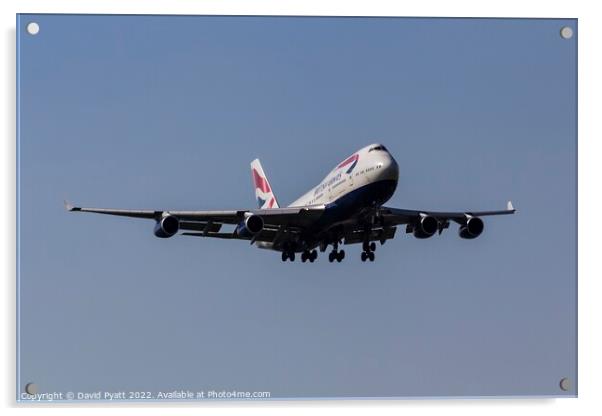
(566, 32)
(565, 384)
(33, 28)
(31, 388)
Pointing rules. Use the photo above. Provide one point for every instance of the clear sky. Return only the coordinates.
(167, 113)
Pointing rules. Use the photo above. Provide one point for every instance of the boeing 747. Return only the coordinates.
(346, 207)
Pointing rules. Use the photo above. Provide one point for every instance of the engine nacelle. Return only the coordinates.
(250, 226)
(426, 227)
(472, 228)
(167, 226)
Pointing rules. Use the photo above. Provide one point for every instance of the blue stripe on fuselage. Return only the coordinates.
(373, 194)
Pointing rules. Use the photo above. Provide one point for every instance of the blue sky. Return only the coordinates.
(167, 112)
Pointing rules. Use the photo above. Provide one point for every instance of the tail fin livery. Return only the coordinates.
(263, 191)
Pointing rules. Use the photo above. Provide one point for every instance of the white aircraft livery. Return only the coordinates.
(345, 208)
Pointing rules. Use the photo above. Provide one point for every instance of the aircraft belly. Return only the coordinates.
(352, 202)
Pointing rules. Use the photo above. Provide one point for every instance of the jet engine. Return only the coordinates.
(426, 227)
(167, 226)
(250, 226)
(472, 228)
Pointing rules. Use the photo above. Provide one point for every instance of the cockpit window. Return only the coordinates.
(379, 147)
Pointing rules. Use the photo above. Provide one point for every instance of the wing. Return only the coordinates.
(381, 224)
(396, 216)
(210, 222)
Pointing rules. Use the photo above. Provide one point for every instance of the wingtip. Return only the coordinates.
(510, 207)
(69, 206)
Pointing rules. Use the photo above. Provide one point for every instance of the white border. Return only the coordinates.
(589, 193)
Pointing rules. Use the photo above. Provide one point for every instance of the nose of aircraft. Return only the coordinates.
(389, 169)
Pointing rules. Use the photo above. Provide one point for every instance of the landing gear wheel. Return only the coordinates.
(340, 256)
(313, 255)
(304, 256)
(371, 256)
(292, 256)
(331, 256)
(372, 246)
(284, 256)
(364, 256)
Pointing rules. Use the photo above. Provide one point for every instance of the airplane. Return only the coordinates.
(346, 207)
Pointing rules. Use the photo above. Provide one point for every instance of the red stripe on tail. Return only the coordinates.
(260, 182)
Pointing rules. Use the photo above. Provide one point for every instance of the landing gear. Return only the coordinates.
(337, 255)
(369, 246)
(323, 246)
(288, 255)
(309, 255)
(368, 253)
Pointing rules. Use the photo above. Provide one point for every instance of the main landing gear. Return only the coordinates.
(337, 255)
(288, 255)
(368, 253)
(309, 255)
(306, 255)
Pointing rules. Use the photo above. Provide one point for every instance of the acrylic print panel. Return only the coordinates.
(163, 115)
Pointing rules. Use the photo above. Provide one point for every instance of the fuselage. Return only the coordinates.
(363, 181)
(366, 178)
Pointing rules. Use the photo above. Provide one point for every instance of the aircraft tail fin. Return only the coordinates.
(263, 191)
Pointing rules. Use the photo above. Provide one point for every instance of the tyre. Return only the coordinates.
(372, 246)
(341, 255)
(364, 256)
(371, 256)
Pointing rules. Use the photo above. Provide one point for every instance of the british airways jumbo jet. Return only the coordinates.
(345, 208)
